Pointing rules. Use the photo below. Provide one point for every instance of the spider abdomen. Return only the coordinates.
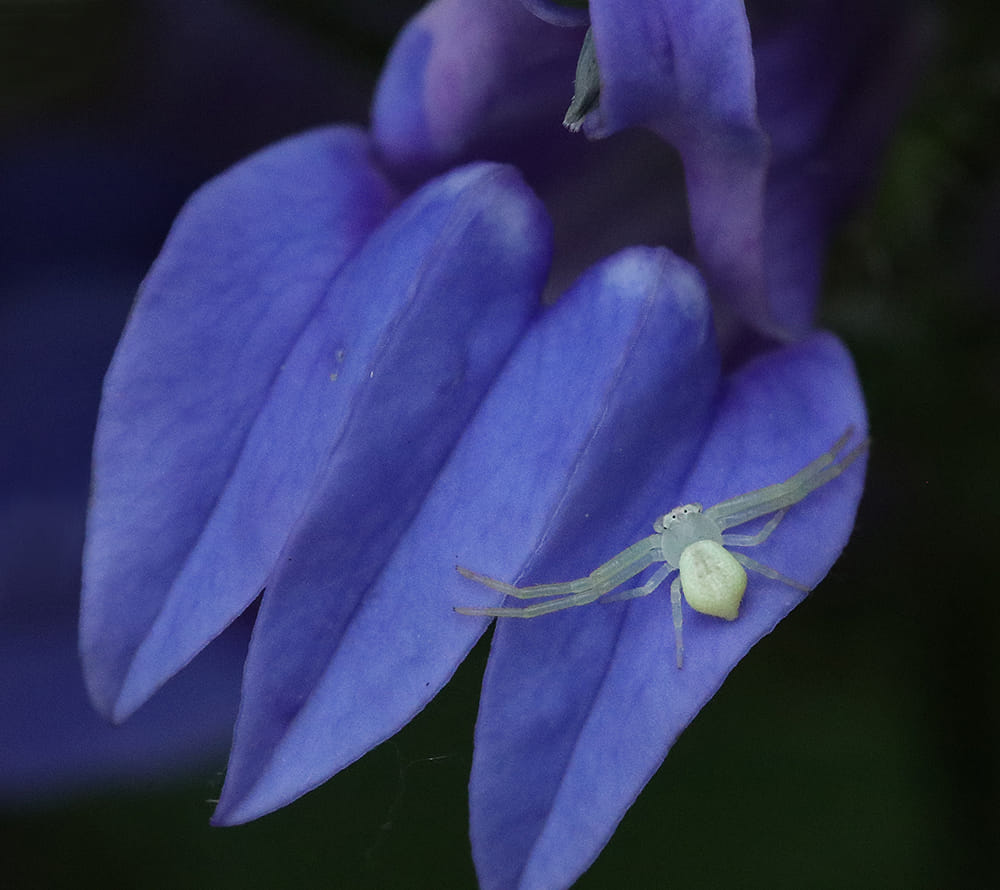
(712, 580)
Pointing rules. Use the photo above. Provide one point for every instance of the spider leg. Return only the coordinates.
(678, 615)
(655, 580)
(606, 576)
(563, 588)
(767, 571)
(762, 501)
(571, 593)
(535, 609)
(760, 537)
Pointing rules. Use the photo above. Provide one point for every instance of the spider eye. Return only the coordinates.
(672, 516)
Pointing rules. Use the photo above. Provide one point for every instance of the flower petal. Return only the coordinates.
(580, 707)
(685, 70)
(241, 273)
(457, 273)
(380, 375)
(548, 441)
(462, 69)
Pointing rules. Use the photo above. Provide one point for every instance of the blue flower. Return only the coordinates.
(339, 382)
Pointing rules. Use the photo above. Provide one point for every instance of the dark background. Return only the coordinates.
(857, 746)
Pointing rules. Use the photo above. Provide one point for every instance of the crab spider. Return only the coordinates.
(690, 541)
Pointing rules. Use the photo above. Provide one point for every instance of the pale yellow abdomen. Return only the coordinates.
(712, 580)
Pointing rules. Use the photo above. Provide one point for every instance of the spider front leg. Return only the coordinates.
(533, 611)
(780, 495)
(579, 592)
(580, 585)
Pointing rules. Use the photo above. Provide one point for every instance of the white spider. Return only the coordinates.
(690, 541)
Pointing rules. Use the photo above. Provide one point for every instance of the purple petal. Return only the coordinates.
(685, 69)
(477, 79)
(241, 273)
(560, 417)
(371, 331)
(481, 79)
(483, 76)
(580, 707)
(465, 68)
(456, 273)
